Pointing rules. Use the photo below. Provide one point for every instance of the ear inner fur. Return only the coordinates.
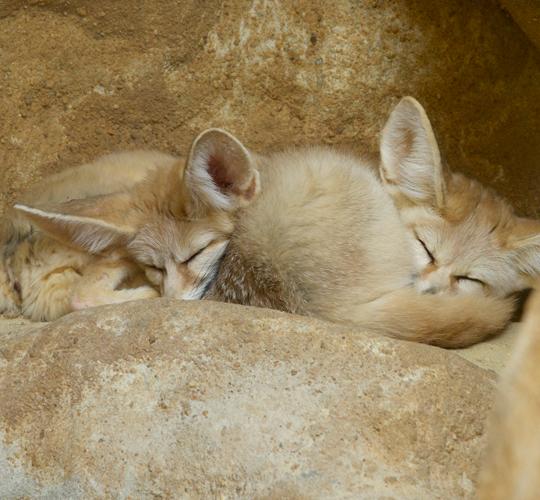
(410, 158)
(220, 171)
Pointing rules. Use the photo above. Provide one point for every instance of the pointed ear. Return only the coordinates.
(524, 240)
(220, 171)
(89, 224)
(410, 158)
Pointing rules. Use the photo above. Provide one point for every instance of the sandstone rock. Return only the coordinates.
(202, 399)
(527, 15)
(493, 353)
(154, 73)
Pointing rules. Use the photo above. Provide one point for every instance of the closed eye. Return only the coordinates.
(430, 255)
(195, 255)
(469, 278)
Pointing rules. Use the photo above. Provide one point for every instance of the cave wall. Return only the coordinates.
(83, 77)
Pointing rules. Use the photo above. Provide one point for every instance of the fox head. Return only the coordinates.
(467, 238)
(176, 224)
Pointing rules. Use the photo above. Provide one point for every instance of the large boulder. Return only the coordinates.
(200, 400)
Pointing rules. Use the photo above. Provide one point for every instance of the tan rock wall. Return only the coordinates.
(80, 78)
(526, 14)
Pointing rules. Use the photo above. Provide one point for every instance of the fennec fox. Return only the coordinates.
(424, 254)
(511, 471)
(44, 279)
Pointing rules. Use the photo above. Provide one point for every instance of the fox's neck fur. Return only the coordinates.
(419, 253)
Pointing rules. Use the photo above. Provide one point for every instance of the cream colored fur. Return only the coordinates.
(512, 467)
(316, 232)
(46, 279)
(43, 279)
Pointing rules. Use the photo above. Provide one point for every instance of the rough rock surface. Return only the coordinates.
(493, 353)
(527, 15)
(202, 399)
(80, 78)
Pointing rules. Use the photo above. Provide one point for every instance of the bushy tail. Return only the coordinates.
(442, 320)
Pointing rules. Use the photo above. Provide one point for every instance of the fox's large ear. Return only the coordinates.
(220, 171)
(524, 240)
(91, 224)
(410, 158)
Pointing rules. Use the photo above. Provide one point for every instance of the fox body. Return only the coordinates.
(419, 253)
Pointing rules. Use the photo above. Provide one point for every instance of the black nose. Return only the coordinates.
(431, 290)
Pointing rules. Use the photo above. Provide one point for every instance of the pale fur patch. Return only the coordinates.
(513, 455)
(205, 268)
(190, 281)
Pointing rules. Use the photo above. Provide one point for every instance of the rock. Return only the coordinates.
(274, 73)
(527, 16)
(201, 399)
(493, 353)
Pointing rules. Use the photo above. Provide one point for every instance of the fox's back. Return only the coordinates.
(322, 232)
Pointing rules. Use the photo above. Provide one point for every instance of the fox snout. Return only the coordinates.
(176, 284)
(180, 283)
(434, 281)
(426, 288)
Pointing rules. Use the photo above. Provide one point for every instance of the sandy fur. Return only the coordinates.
(512, 464)
(52, 280)
(43, 279)
(326, 236)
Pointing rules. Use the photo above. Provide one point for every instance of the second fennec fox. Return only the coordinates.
(425, 255)
(43, 279)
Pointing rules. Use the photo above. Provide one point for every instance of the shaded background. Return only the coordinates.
(80, 78)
